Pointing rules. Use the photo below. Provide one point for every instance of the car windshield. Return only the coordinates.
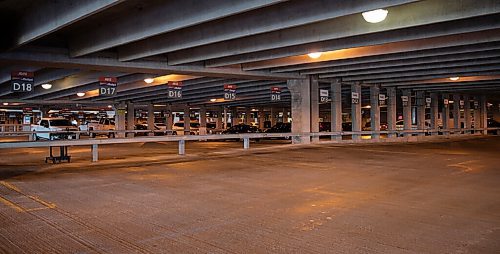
(60, 122)
(194, 125)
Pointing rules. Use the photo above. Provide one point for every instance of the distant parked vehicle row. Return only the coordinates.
(59, 128)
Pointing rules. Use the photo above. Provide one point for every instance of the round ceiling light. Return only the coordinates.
(5, 104)
(314, 55)
(46, 86)
(375, 16)
(80, 94)
(213, 100)
(454, 78)
(149, 80)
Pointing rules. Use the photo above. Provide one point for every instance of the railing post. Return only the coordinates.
(95, 153)
(182, 147)
(246, 143)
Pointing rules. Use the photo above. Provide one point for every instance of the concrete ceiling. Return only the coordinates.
(255, 44)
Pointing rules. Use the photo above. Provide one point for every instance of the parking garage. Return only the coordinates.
(249, 126)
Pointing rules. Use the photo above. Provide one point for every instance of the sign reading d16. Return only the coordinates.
(275, 93)
(22, 81)
(174, 89)
(107, 86)
(229, 92)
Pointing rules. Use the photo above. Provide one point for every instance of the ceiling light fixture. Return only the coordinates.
(149, 80)
(80, 94)
(213, 100)
(375, 16)
(315, 55)
(46, 86)
(109, 106)
(454, 78)
(5, 104)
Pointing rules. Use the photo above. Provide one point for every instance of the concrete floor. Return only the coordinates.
(441, 197)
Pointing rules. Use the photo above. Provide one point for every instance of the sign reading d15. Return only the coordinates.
(107, 86)
(229, 92)
(22, 81)
(174, 89)
(275, 93)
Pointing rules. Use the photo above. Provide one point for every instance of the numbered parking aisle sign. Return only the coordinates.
(229, 92)
(355, 98)
(323, 95)
(174, 89)
(381, 99)
(405, 99)
(275, 93)
(22, 81)
(107, 86)
(428, 102)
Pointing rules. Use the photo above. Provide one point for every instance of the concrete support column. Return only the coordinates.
(130, 119)
(477, 114)
(272, 117)
(169, 118)
(120, 119)
(219, 120)
(434, 113)
(248, 117)
(484, 114)
(420, 103)
(467, 114)
(375, 110)
(224, 118)
(151, 119)
(234, 117)
(203, 121)
(187, 120)
(336, 109)
(446, 115)
(356, 111)
(314, 106)
(262, 118)
(301, 109)
(407, 112)
(456, 113)
(391, 111)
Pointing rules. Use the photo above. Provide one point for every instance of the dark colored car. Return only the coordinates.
(241, 128)
(493, 124)
(368, 126)
(280, 128)
(325, 126)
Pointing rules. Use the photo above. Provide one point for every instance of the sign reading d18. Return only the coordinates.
(174, 89)
(107, 86)
(22, 81)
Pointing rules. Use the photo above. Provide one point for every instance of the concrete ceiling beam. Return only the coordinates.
(143, 23)
(413, 15)
(272, 18)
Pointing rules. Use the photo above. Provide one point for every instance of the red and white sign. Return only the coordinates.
(107, 86)
(22, 81)
(275, 93)
(229, 92)
(174, 89)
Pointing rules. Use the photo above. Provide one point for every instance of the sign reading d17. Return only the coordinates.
(229, 92)
(275, 93)
(22, 81)
(107, 86)
(174, 89)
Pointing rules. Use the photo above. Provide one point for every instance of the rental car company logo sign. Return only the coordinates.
(174, 89)
(229, 92)
(107, 86)
(22, 81)
(275, 93)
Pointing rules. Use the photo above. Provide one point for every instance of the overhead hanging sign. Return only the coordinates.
(405, 99)
(174, 89)
(229, 92)
(355, 98)
(107, 86)
(381, 99)
(22, 81)
(476, 104)
(323, 95)
(462, 103)
(428, 102)
(446, 102)
(275, 93)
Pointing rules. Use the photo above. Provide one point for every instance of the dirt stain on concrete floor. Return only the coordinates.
(421, 198)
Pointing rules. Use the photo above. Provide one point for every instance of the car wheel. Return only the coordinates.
(35, 137)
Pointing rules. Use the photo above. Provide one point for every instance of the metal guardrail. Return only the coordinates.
(181, 139)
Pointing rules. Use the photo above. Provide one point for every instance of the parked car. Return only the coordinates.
(60, 128)
(368, 126)
(178, 128)
(280, 128)
(325, 126)
(492, 124)
(241, 129)
(104, 124)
